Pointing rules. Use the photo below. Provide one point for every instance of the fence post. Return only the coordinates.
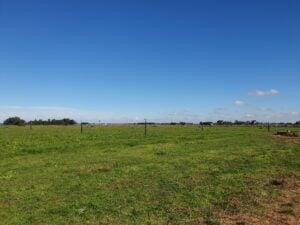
(145, 128)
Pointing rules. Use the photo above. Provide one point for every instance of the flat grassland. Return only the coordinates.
(177, 175)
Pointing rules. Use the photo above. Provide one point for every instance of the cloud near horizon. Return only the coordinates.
(239, 103)
(259, 93)
(51, 112)
(44, 112)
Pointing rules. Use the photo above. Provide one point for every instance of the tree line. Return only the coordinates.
(20, 122)
(66, 121)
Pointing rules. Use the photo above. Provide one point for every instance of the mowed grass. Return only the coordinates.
(113, 175)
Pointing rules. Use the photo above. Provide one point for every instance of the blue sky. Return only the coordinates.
(122, 61)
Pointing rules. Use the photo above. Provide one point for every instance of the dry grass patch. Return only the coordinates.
(287, 140)
(284, 210)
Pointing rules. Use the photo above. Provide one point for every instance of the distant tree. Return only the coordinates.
(297, 123)
(206, 123)
(182, 123)
(14, 121)
(65, 121)
(227, 123)
(220, 122)
(237, 122)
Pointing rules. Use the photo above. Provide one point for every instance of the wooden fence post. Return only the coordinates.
(145, 128)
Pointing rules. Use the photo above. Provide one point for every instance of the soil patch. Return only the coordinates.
(284, 210)
(288, 140)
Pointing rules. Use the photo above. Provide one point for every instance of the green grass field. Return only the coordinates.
(113, 175)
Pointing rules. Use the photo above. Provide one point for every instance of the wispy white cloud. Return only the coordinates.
(187, 115)
(295, 113)
(259, 93)
(50, 112)
(249, 115)
(239, 103)
(271, 115)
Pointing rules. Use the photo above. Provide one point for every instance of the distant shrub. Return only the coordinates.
(65, 121)
(14, 121)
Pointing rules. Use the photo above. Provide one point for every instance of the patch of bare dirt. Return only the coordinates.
(284, 210)
(288, 140)
(119, 184)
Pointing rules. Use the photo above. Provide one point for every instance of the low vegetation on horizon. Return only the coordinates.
(67, 121)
